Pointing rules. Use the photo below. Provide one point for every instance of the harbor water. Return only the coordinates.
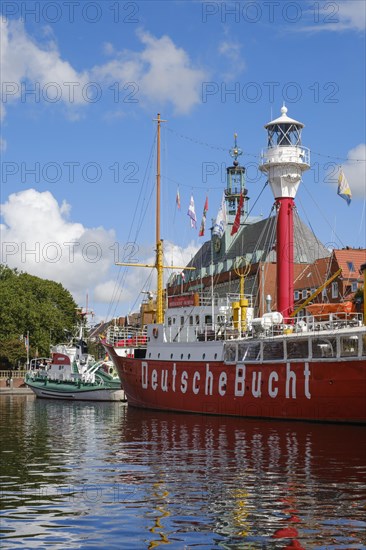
(103, 475)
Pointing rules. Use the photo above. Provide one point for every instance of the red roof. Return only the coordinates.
(350, 260)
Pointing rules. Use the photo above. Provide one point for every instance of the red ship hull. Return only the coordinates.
(333, 391)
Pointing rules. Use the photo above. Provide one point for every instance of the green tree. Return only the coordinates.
(41, 307)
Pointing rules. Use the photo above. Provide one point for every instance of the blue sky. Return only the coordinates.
(82, 83)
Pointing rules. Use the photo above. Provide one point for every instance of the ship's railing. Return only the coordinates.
(126, 337)
(226, 331)
(331, 321)
(324, 346)
(222, 301)
(287, 155)
(236, 298)
(207, 333)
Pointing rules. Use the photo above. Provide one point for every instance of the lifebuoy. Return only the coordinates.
(155, 332)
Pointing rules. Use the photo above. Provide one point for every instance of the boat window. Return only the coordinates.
(182, 320)
(173, 320)
(230, 352)
(169, 321)
(208, 320)
(273, 350)
(191, 319)
(324, 347)
(349, 346)
(249, 351)
(297, 349)
(197, 319)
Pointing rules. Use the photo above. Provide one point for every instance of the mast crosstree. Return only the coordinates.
(159, 266)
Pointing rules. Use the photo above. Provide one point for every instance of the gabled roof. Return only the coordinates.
(348, 258)
(257, 242)
(314, 275)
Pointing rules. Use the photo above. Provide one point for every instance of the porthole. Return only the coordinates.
(181, 356)
(203, 356)
(150, 354)
(215, 356)
(189, 355)
(158, 355)
(171, 356)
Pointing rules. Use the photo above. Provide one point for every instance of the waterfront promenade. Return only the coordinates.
(12, 383)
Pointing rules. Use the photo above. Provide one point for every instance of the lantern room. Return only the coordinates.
(285, 159)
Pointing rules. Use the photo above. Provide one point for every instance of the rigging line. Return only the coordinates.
(247, 216)
(120, 279)
(337, 158)
(145, 186)
(118, 291)
(190, 185)
(144, 286)
(220, 148)
(321, 212)
(117, 298)
(300, 244)
(270, 238)
(311, 266)
(205, 144)
(255, 202)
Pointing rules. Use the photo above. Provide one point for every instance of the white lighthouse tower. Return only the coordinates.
(284, 162)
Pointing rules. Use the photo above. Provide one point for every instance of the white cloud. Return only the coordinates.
(133, 282)
(162, 72)
(37, 238)
(337, 16)
(235, 60)
(355, 170)
(107, 291)
(28, 66)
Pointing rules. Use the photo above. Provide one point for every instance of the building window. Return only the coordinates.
(304, 294)
(324, 293)
(334, 290)
(351, 266)
(354, 286)
(296, 295)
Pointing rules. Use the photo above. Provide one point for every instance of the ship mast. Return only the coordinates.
(159, 243)
(159, 266)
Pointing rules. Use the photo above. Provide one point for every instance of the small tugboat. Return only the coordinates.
(223, 356)
(72, 373)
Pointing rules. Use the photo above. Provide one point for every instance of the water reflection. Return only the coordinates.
(103, 475)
